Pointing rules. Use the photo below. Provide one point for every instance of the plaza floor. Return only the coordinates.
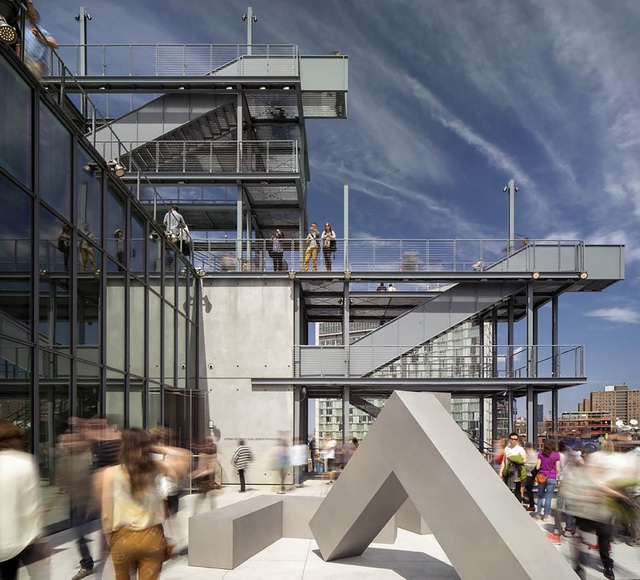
(412, 557)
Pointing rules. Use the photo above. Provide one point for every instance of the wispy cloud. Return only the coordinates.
(625, 315)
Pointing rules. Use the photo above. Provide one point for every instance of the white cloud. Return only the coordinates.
(628, 315)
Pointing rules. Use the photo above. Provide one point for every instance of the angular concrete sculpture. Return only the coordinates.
(415, 449)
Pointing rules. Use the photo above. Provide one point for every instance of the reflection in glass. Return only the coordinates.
(88, 390)
(15, 112)
(54, 313)
(54, 185)
(89, 193)
(115, 220)
(137, 242)
(15, 228)
(54, 421)
(90, 258)
(154, 250)
(89, 318)
(15, 308)
(54, 245)
(115, 398)
(137, 328)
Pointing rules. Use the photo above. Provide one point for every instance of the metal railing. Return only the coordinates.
(380, 255)
(179, 60)
(205, 156)
(441, 361)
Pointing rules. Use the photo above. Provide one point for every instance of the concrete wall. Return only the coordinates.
(247, 332)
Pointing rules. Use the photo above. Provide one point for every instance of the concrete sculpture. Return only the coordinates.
(415, 449)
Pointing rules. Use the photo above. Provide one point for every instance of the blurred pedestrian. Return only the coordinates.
(548, 466)
(241, 459)
(38, 43)
(133, 509)
(178, 462)
(19, 505)
(567, 459)
(329, 456)
(73, 477)
(204, 475)
(281, 460)
(512, 469)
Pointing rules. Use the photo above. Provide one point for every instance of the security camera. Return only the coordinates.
(505, 189)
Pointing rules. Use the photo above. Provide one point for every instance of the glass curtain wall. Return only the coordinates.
(97, 313)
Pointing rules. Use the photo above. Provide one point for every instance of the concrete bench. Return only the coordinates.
(228, 536)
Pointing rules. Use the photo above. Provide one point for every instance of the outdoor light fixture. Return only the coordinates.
(8, 33)
(536, 275)
(91, 167)
(347, 275)
(201, 273)
(292, 274)
(116, 168)
(584, 275)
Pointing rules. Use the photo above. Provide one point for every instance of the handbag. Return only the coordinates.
(541, 478)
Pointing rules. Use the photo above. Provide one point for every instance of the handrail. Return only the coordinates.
(207, 156)
(401, 255)
(179, 60)
(447, 360)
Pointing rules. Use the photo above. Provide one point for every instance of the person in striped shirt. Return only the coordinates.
(242, 456)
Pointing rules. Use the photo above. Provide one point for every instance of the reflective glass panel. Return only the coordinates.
(15, 112)
(89, 318)
(136, 402)
(169, 352)
(54, 186)
(155, 335)
(115, 398)
(154, 405)
(116, 300)
(116, 223)
(137, 328)
(15, 228)
(89, 194)
(138, 244)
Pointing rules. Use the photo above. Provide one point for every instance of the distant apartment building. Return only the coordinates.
(457, 353)
(585, 424)
(617, 401)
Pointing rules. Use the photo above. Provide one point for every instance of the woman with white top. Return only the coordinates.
(133, 509)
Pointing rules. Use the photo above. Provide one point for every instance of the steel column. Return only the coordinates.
(346, 426)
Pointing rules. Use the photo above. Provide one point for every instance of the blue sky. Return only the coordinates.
(448, 100)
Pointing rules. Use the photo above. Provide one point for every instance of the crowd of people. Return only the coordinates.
(597, 492)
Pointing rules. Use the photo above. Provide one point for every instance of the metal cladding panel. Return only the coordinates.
(604, 262)
(324, 73)
(472, 514)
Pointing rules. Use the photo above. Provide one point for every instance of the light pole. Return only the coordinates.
(512, 189)
(249, 18)
(82, 18)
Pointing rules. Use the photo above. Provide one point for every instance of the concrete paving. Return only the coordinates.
(412, 557)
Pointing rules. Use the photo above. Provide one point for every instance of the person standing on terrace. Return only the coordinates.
(328, 245)
(313, 247)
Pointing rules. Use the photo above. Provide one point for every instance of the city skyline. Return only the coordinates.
(447, 102)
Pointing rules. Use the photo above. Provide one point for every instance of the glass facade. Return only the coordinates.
(96, 311)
